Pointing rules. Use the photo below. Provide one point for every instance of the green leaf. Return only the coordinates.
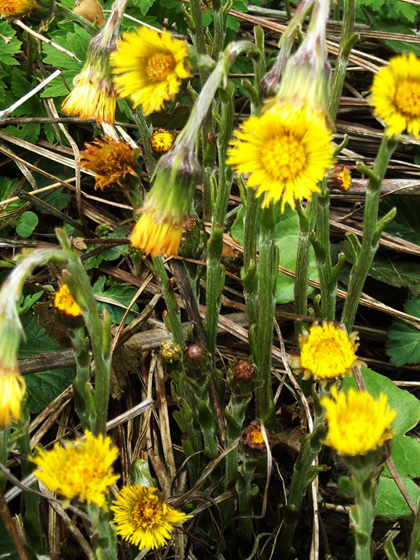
(6, 187)
(406, 456)
(403, 345)
(122, 294)
(26, 302)
(9, 45)
(286, 239)
(406, 10)
(26, 224)
(391, 503)
(404, 403)
(406, 223)
(402, 274)
(42, 388)
(29, 132)
(116, 252)
(36, 340)
(59, 199)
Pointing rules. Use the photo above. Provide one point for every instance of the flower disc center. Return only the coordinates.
(146, 513)
(407, 98)
(159, 66)
(285, 158)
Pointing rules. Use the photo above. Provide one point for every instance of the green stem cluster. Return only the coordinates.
(261, 337)
(364, 476)
(303, 475)
(372, 228)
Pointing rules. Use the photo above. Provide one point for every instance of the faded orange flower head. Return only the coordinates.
(112, 162)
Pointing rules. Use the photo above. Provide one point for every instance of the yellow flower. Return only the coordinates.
(16, 8)
(149, 67)
(357, 422)
(161, 140)
(396, 95)
(81, 470)
(113, 162)
(166, 209)
(342, 178)
(68, 310)
(12, 390)
(156, 238)
(285, 152)
(326, 352)
(92, 97)
(63, 301)
(143, 518)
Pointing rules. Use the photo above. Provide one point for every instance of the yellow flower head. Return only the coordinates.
(326, 352)
(113, 162)
(81, 470)
(285, 153)
(17, 8)
(64, 302)
(12, 391)
(396, 95)
(68, 311)
(161, 140)
(149, 67)
(156, 238)
(143, 518)
(159, 230)
(342, 178)
(357, 422)
(92, 98)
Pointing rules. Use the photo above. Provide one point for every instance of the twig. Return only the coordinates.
(11, 528)
(6, 112)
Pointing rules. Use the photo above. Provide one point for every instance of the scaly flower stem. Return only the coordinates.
(219, 18)
(364, 476)
(83, 394)
(215, 270)
(346, 44)
(371, 231)
(99, 331)
(306, 224)
(252, 210)
(145, 134)
(309, 449)
(414, 551)
(32, 502)
(323, 255)
(4, 452)
(262, 340)
(198, 32)
(171, 304)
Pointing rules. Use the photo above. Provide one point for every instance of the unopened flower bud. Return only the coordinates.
(170, 354)
(253, 437)
(195, 355)
(244, 371)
